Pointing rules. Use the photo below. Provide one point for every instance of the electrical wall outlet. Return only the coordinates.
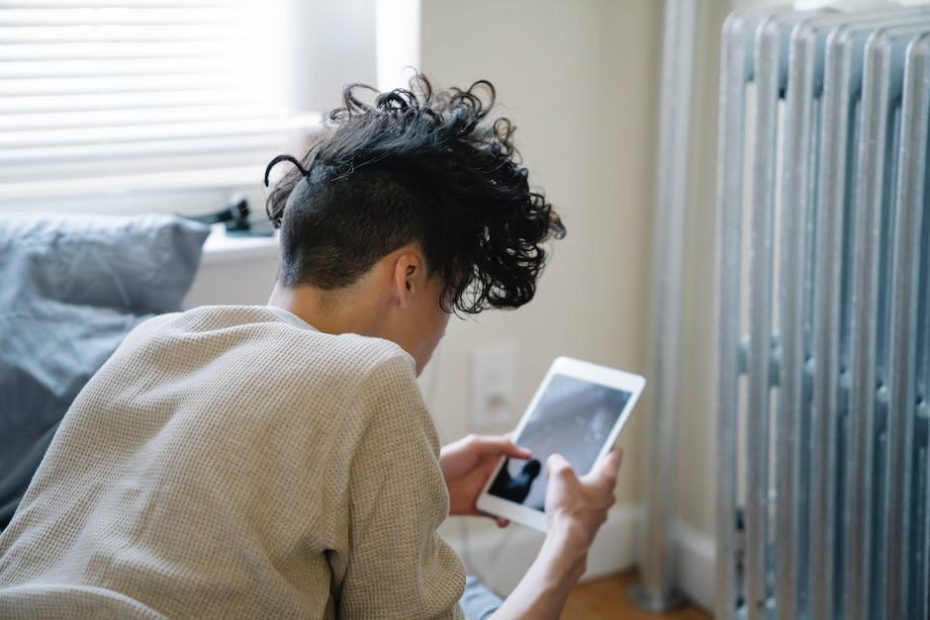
(493, 384)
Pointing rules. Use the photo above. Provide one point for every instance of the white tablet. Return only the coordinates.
(578, 412)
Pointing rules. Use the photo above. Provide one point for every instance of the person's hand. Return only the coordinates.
(468, 463)
(575, 510)
(577, 507)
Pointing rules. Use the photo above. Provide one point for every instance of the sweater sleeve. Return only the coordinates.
(398, 566)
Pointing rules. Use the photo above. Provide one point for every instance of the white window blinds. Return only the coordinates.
(105, 95)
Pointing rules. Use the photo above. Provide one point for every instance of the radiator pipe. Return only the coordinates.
(656, 591)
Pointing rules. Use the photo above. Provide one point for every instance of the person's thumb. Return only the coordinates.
(607, 467)
(612, 460)
(557, 465)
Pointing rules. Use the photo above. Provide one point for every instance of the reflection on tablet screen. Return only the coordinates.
(572, 418)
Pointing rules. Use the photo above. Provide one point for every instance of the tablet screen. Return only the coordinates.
(573, 417)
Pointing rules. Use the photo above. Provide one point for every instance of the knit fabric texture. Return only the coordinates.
(227, 462)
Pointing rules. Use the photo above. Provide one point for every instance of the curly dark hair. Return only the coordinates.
(415, 166)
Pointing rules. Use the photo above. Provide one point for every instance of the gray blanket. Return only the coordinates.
(71, 287)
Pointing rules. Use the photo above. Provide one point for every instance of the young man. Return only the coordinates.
(279, 461)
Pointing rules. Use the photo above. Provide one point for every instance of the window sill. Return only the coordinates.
(221, 248)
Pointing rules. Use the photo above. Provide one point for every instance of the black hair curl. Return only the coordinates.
(416, 166)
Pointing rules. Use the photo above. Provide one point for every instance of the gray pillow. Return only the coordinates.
(71, 288)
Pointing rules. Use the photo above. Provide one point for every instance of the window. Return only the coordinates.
(175, 105)
(102, 97)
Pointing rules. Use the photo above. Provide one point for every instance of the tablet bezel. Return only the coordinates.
(586, 371)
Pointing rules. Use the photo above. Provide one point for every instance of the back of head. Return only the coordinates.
(423, 167)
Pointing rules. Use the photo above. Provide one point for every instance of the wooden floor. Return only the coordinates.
(607, 598)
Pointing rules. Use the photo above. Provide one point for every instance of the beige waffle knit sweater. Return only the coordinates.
(232, 462)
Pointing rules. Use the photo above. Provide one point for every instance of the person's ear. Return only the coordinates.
(408, 269)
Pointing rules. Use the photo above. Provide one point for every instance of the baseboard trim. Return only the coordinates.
(696, 574)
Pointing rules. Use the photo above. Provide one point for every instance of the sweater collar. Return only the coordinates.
(289, 317)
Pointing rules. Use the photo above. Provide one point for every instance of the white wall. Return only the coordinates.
(233, 282)
(579, 80)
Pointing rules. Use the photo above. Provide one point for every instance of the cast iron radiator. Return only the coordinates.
(824, 315)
